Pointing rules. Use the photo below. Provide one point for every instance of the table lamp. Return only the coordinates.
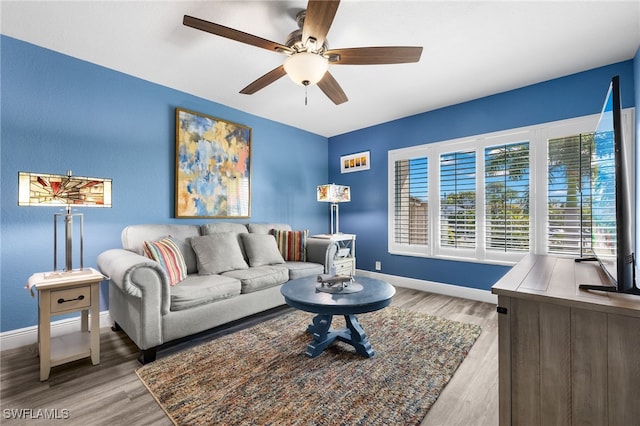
(48, 190)
(334, 194)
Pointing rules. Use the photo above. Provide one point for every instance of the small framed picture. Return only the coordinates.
(355, 162)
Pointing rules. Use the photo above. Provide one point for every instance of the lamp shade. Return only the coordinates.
(306, 68)
(40, 189)
(332, 193)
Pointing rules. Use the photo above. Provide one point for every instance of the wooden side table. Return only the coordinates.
(63, 293)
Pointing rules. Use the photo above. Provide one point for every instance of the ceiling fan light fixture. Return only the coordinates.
(306, 68)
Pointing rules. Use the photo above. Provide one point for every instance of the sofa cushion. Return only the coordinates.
(167, 253)
(304, 269)
(261, 249)
(202, 289)
(218, 227)
(218, 253)
(292, 244)
(260, 277)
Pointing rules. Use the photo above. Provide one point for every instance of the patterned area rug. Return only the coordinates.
(261, 376)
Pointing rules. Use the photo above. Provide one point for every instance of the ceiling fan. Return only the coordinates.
(308, 54)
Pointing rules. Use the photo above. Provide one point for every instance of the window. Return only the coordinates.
(495, 197)
(411, 201)
(438, 210)
(458, 199)
(506, 191)
(569, 207)
(409, 220)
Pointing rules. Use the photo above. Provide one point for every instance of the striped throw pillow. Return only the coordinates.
(168, 255)
(292, 244)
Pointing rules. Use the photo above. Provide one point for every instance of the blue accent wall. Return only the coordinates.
(61, 113)
(366, 215)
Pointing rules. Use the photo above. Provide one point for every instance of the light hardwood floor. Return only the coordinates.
(111, 394)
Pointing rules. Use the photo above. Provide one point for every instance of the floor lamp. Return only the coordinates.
(67, 191)
(334, 194)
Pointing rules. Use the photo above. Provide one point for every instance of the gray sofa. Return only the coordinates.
(232, 272)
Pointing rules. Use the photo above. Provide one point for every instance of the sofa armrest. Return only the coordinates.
(138, 276)
(322, 251)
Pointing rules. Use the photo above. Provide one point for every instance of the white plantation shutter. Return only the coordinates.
(457, 199)
(506, 187)
(495, 197)
(569, 195)
(411, 194)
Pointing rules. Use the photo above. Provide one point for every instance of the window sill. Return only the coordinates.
(460, 258)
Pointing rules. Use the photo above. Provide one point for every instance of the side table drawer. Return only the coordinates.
(344, 266)
(73, 298)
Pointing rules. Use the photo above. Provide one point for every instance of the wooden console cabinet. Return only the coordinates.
(566, 356)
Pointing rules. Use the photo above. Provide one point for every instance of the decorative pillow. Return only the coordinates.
(261, 249)
(169, 256)
(292, 244)
(217, 253)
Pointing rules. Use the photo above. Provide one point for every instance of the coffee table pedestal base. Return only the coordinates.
(323, 336)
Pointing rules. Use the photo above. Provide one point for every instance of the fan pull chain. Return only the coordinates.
(305, 83)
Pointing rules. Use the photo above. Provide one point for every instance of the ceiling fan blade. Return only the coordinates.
(332, 89)
(374, 55)
(237, 35)
(318, 20)
(264, 81)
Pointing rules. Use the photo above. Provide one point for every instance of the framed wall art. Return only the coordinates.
(355, 162)
(213, 167)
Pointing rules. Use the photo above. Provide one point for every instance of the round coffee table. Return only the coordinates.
(302, 294)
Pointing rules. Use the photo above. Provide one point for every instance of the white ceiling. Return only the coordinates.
(471, 49)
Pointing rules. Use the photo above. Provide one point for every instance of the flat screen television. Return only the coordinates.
(612, 241)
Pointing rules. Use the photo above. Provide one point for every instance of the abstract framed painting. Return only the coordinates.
(213, 167)
(355, 162)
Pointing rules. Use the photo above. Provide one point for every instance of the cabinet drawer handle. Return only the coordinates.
(81, 297)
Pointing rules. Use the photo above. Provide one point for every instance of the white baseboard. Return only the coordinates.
(29, 335)
(434, 287)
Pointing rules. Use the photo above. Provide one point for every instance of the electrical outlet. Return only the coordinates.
(378, 265)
